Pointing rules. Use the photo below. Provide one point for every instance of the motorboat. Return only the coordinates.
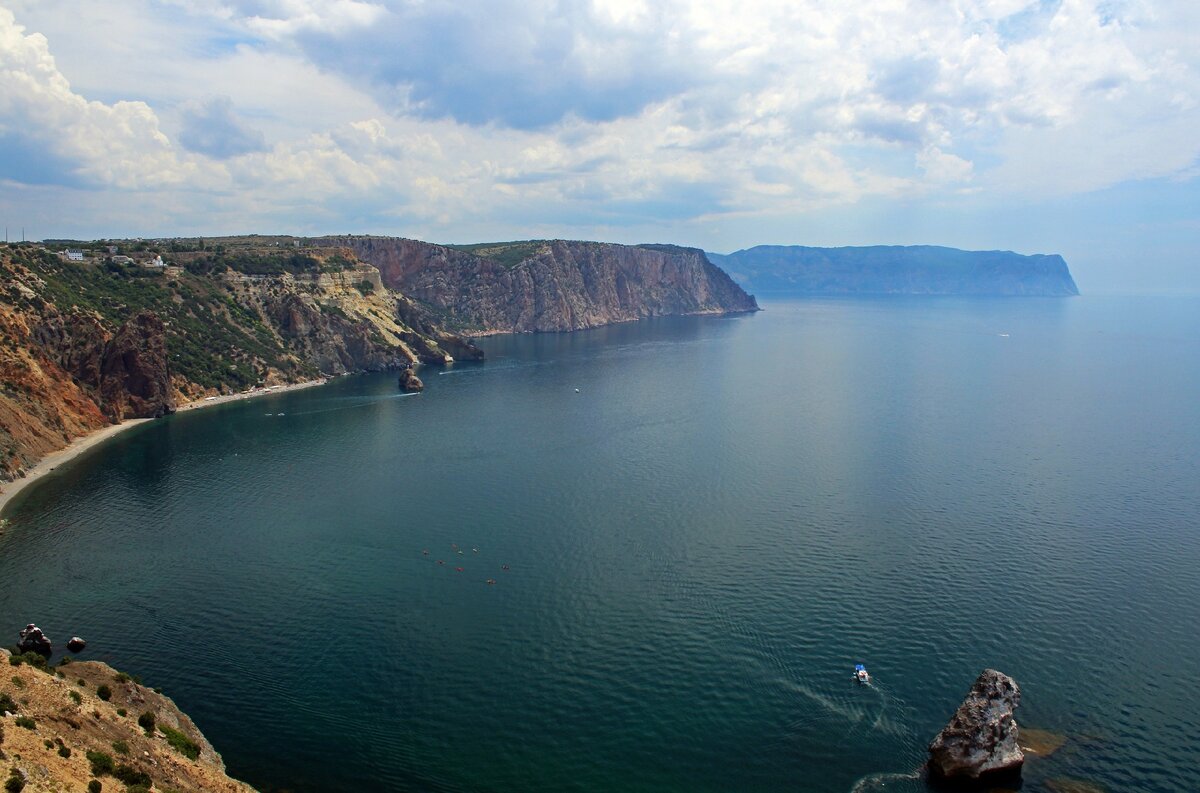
(860, 674)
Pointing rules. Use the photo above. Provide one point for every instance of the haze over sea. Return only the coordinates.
(701, 543)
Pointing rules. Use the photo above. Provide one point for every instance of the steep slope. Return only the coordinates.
(915, 270)
(68, 725)
(552, 285)
(83, 344)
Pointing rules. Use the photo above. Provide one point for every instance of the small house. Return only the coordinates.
(74, 255)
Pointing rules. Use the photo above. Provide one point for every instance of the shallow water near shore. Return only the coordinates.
(701, 543)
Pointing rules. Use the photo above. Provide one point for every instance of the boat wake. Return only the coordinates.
(882, 781)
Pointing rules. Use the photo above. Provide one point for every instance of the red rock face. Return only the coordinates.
(134, 378)
(561, 286)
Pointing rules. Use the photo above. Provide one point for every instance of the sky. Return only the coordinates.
(1040, 126)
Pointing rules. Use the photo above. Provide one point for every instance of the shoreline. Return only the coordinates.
(85, 443)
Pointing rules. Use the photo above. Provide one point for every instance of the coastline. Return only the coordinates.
(10, 490)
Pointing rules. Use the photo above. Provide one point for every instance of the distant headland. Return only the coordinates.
(896, 270)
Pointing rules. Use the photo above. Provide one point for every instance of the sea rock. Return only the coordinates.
(980, 744)
(409, 382)
(34, 641)
(76, 644)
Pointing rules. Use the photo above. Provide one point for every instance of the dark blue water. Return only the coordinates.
(701, 543)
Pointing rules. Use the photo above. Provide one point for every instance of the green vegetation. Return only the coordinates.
(36, 660)
(121, 712)
(365, 287)
(94, 786)
(64, 751)
(16, 782)
(211, 339)
(76, 697)
(26, 722)
(102, 763)
(131, 776)
(18, 682)
(7, 704)
(104, 692)
(508, 254)
(121, 677)
(146, 722)
(120, 747)
(181, 743)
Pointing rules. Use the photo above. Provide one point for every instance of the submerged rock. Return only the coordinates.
(76, 644)
(980, 744)
(34, 641)
(409, 382)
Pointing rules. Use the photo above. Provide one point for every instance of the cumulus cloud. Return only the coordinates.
(457, 115)
(212, 127)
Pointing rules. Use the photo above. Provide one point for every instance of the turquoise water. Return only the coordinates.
(701, 543)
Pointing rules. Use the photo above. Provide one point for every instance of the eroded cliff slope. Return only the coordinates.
(92, 342)
(550, 285)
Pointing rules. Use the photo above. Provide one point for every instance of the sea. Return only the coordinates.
(647, 557)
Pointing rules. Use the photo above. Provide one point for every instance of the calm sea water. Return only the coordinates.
(700, 543)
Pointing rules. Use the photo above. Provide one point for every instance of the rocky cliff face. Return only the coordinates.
(86, 344)
(552, 285)
(894, 269)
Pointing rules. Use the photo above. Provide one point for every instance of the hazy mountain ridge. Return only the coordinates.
(549, 285)
(895, 269)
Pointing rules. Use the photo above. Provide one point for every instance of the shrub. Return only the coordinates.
(121, 712)
(120, 747)
(131, 776)
(64, 751)
(146, 722)
(6, 703)
(81, 683)
(18, 682)
(104, 692)
(102, 763)
(181, 743)
(36, 660)
(26, 722)
(94, 786)
(15, 783)
(75, 696)
(121, 677)
(49, 744)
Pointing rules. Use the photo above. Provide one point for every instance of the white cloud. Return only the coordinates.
(462, 117)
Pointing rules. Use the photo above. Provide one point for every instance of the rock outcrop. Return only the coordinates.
(980, 744)
(76, 644)
(896, 269)
(410, 383)
(135, 382)
(32, 640)
(553, 285)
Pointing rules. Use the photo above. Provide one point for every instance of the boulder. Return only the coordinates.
(34, 641)
(979, 746)
(75, 644)
(409, 382)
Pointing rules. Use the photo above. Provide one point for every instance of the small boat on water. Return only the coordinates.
(860, 674)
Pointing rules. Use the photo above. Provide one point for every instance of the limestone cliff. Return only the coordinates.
(552, 285)
(896, 269)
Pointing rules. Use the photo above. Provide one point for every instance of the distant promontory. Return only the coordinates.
(896, 270)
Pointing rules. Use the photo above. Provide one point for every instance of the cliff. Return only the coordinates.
(85, 344)
(913, 270)
(63, 727)
(551, 285)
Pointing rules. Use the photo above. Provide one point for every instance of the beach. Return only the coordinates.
(10, 490)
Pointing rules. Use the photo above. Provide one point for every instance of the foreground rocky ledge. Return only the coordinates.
(84, 721)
